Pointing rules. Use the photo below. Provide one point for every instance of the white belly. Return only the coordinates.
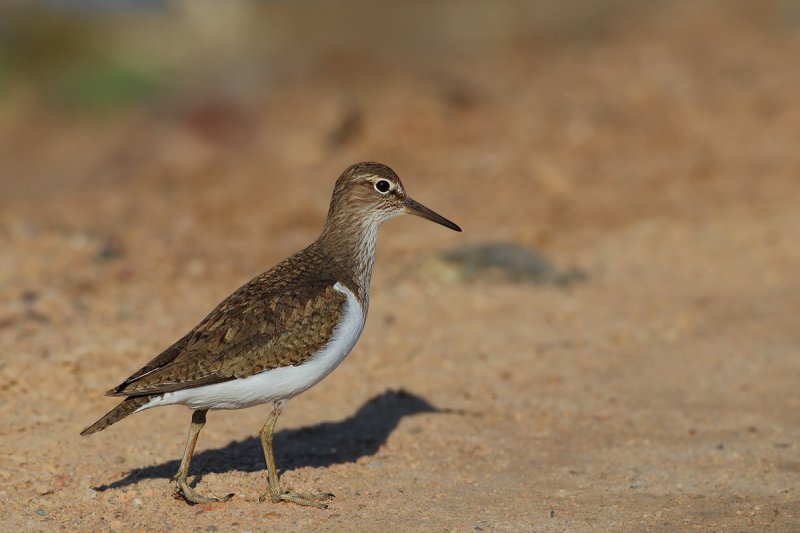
(279, 383)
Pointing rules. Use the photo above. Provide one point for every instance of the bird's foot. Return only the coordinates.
(300, 498)
(183, 490)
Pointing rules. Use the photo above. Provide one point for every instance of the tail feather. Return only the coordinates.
(126, 407)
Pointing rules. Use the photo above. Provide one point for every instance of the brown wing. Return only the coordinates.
(259, 327)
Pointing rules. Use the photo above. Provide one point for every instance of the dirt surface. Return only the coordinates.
(656, 155)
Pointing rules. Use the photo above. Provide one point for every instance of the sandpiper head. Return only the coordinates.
(374, 192)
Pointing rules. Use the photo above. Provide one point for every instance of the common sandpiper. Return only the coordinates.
(280, 333)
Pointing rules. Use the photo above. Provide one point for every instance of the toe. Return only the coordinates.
(310, 500)
(192, 497)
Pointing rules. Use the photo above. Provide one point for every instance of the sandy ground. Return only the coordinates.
(660, 393)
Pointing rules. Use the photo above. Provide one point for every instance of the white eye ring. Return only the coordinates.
(383, 186)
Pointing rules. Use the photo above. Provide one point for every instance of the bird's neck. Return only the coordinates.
(350, 242)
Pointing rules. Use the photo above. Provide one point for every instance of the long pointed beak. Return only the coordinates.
(415, 208)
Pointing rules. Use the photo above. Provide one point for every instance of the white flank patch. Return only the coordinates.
(279, 383)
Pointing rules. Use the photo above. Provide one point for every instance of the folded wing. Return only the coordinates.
(253, 330)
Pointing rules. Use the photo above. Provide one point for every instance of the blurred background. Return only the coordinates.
(245, 101)
(620, 311)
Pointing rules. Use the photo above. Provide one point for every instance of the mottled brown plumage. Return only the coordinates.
(279, 318)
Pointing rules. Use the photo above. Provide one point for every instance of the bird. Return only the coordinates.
(280, 333)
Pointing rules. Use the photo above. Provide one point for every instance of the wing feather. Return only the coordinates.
(257, 328)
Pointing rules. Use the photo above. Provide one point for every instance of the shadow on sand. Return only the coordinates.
(324, 444)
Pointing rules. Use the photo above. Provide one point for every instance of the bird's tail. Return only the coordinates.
(126, 407)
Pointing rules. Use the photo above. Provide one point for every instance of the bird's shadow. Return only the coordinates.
(321, 445)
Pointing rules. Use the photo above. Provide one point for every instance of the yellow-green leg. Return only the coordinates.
(275, 492)
(184, 490)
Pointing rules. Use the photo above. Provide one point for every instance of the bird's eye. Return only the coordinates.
(382, 186)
